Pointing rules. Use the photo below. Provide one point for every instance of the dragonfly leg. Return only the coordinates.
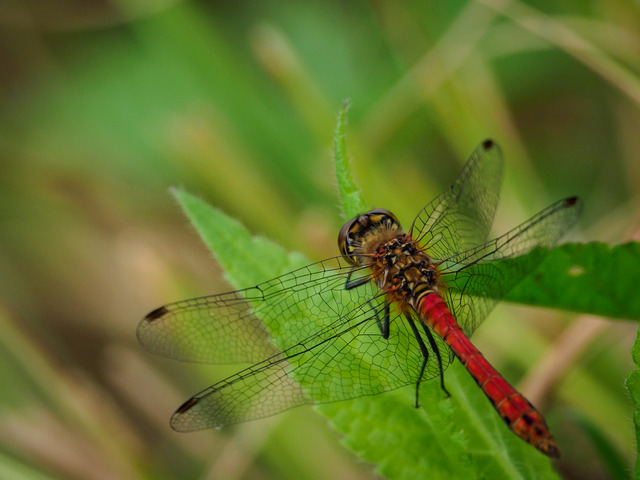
(383, 324)
(436, 350)
(355, 283)
(425, 354)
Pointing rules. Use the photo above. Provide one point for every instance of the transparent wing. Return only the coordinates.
(460, 218)
(325, 345)
(475, 280)
(348, 359)
(235, 326)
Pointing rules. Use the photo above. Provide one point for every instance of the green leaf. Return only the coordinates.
(446, 438)
(590, 278)
(457, 437)
(350, 198)
(633, 386)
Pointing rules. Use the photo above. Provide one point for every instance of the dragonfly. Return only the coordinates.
(394, 309)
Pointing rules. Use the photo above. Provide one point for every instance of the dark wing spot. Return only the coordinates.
(187, 405)
(487, 144)
(156, 314)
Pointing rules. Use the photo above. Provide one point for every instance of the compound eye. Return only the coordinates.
(353, 232)
(380, 215)
(344, 241)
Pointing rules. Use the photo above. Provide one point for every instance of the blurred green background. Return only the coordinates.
(104, 105)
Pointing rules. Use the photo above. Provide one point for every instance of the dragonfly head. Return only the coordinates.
(354, 233)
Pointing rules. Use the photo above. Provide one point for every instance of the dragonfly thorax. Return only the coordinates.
(403, 270)
(398, 264)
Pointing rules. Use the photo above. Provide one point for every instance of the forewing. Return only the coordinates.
(460, 218)
(478, 278)
(255, 323)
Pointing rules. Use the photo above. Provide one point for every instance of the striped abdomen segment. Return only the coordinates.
(521, 417)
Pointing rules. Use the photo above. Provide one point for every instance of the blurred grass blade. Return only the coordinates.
(350, 198)
(633, 386)
(564, 38)
(247, 260)
(11, 468)
(615, 464)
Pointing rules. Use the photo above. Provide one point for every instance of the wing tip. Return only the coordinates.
(156, 314)
(177, 421)
(573, 204)
(186, 406)
(571, 201)
(184, 420)
(488, 143)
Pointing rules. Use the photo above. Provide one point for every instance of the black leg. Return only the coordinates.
(425, 354)
(384, 325)
(356, 283)
(436, 350)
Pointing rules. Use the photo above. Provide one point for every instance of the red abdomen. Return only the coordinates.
(521, 417)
